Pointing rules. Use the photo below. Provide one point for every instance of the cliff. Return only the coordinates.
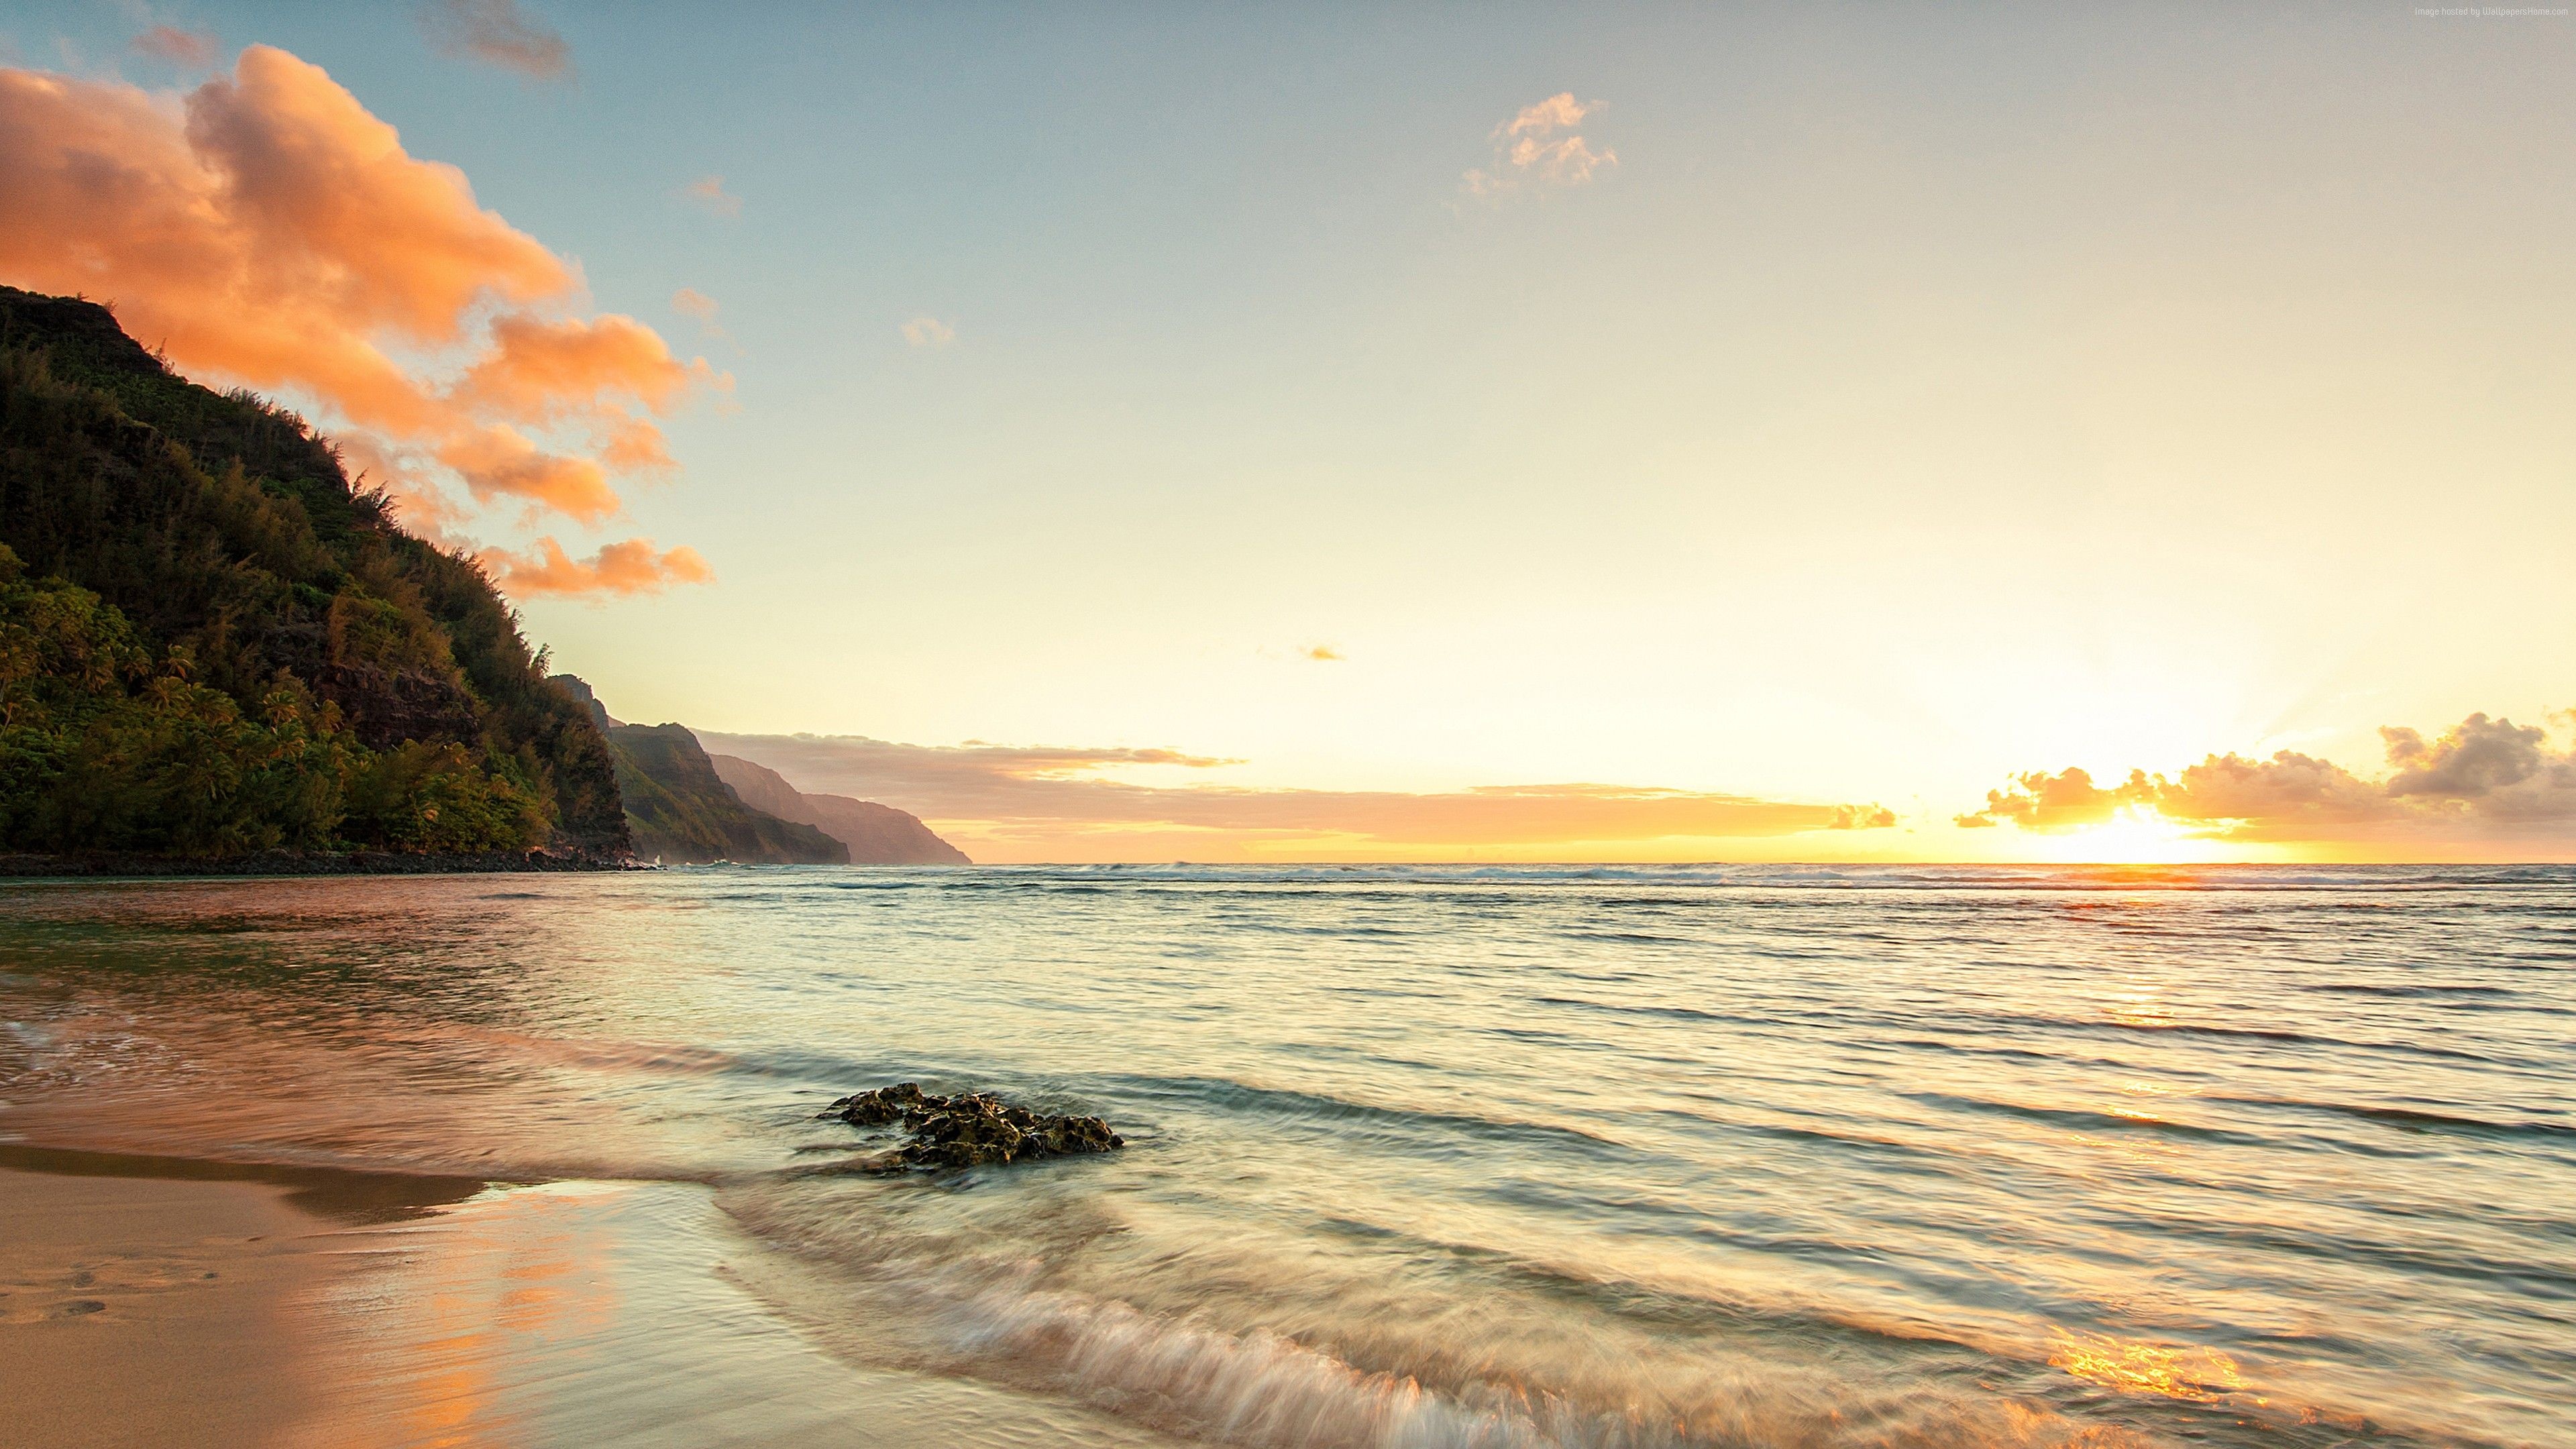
(679, 810)
(211, 645)
(876, 834)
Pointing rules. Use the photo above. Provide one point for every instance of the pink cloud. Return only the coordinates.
(1066, 803)
(709, 191)
(497, 33)
(1540, 145)
(187, 49)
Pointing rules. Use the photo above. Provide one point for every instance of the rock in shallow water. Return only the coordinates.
(972, 1129)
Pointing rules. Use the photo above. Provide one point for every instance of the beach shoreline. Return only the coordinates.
(158, 1301)
(287, 862)
(157, 1310)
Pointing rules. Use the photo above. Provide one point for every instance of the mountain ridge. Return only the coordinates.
(876, 834)
(212, 645)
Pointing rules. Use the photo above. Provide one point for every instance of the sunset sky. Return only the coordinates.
(1696, 432)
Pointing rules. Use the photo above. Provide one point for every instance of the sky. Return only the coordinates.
(1654, 432)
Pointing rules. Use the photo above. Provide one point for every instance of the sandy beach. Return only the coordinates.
(164, 1301)
(156, 1311)
(153, 1300)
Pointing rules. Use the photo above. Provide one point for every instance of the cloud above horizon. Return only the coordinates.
(928, 331)
(265, 229)
(1026, 803)
(186, 49)
(2482, 779)
(625, 569)
(709, 191)
(692, 303)
(1540, 146)
(498, 34)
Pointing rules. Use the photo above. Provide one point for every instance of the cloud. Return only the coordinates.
(690, 302)
(2482, 779)
(541, 369)
(418, 501)
(1323, 653)
(265, 229)
(2041, 801)
(499, 462)
(497, 33)
(627, 568)
(186, 49)
(2479, 759)
(709, 191)
(928, 332)
(1540, 146)
(1065, 804)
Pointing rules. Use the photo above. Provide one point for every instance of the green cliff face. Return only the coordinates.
(209, 643)
(681, 812)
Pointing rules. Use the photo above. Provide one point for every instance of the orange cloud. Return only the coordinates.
(188, 49)
(418, 501)
(708, 191)
(1323, 653)
(1023, 804)
(538, 370)
(265, 229)
(928, 332)
(497, 33)
(627, 568)
(2482, 780)
(1540, 144)
(500, 462)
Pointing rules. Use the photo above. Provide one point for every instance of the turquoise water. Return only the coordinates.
(1628, 1156)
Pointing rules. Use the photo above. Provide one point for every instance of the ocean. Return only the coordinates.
(1618, 1156)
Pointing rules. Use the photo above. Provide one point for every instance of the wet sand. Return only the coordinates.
(154, 1312)
(168, 1302)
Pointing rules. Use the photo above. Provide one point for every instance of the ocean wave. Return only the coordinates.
(2419, 1119)
(1218, 1342)
(1304, 1108)
(2086, 1120)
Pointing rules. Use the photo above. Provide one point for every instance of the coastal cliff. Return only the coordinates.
(685, 806)
(680, 812)
(212, 646)
(876, 834)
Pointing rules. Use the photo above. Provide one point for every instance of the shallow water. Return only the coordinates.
(1630, 1156)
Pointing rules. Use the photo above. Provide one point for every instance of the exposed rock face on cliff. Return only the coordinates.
(579, 689)
(876, 834)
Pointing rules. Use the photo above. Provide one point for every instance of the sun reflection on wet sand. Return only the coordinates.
(594, 1314)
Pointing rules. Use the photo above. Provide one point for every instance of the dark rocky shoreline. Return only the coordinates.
(288, 862)
(971, 1129)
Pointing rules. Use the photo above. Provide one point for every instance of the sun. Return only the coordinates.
(2137, 835)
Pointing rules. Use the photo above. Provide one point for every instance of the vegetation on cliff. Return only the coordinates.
(211, 643)
(682, 813)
